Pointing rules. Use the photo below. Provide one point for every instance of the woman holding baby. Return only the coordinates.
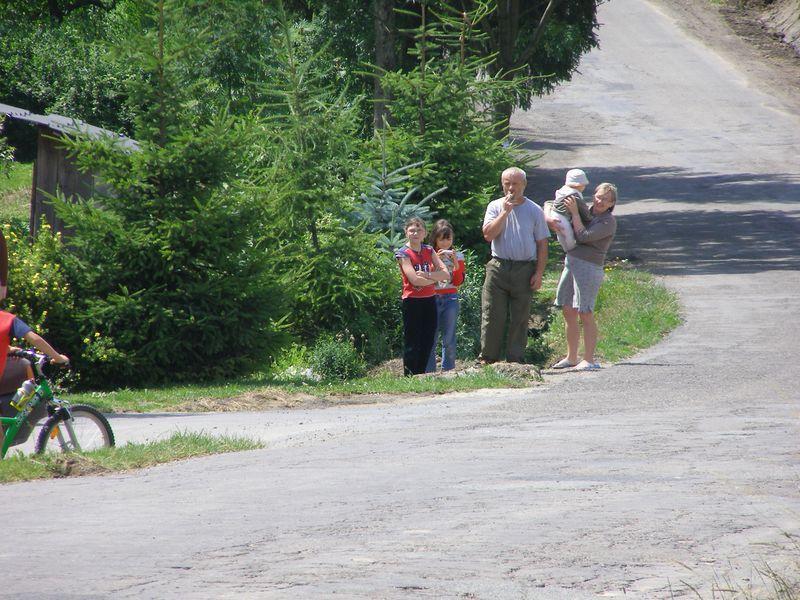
(583, 272)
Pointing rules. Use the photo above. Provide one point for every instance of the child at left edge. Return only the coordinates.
(12, 327)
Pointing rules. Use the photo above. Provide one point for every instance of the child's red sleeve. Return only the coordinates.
(458, 273)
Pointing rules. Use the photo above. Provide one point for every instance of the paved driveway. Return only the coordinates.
(679, 466)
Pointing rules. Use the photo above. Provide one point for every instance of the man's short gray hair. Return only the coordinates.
(515, 172)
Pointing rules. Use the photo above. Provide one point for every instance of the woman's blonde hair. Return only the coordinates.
(608, 188)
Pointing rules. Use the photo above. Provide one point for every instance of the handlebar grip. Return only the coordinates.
(28, 354)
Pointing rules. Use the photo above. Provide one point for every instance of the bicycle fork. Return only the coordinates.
(71, 445)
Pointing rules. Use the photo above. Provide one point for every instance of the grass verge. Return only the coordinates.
(271, 393)
(15, 192)
(17, 467)
(633, 312)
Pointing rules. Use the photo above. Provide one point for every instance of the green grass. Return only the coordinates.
(389, 384)
(177, 397)
(16, 467)
(15, 192)
(633, 312)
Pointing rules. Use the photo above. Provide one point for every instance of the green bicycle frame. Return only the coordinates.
(11, 425)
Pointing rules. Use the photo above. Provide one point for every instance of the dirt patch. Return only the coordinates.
(71, 465)
(271, 399)
(525, 373)
(772, 28)
(781, 18)
(251, 401)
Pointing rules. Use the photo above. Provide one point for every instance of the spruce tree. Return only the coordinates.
(309, 145)
(164, 266)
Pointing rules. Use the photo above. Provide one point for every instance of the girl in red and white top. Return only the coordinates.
(447, 303)
(421, 268)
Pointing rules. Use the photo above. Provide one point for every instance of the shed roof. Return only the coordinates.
(67, 125)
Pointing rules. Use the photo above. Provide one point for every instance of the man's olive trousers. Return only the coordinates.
(506, 292)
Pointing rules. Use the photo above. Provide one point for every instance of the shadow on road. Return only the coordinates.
(709, 240)
(674, 184)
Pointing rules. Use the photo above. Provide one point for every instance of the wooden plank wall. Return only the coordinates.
(55, 171)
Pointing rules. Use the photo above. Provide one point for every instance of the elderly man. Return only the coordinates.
(517, 229)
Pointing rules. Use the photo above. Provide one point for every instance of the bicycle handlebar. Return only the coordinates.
(37, 359)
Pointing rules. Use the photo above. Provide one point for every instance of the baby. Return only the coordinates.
(574, 184)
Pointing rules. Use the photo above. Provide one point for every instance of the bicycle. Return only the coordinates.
(67, 428)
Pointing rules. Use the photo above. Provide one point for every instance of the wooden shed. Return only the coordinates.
(53, 169)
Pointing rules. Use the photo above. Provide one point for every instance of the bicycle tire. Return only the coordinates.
(90, 426)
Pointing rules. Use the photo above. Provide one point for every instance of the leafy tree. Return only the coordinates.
(538, 42)
(56, 10)
(166, 280)
(68, 61)
(531, 39)
(6, 153)
(63, 68)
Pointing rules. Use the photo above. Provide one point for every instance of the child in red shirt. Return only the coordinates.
(420, 268)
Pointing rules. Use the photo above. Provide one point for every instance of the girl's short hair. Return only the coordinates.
(441, 229)
(608, 188)
(414, 221)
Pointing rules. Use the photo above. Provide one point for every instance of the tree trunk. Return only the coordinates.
(505, 44)
(502, 110)
(385, 56)
(507, 31)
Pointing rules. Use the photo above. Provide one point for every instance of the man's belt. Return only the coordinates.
(513, 262)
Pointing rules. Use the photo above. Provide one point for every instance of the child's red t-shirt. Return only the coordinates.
(422, 261)
(6, 320)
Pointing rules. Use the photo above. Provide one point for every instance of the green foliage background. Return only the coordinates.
(233, 229)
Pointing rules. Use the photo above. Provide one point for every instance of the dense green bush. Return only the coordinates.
(440, 112)
(348, 285)
(453, 137)
(6, 153)
(333, 358)
(468, 329)
(39, 291)
(307, 147)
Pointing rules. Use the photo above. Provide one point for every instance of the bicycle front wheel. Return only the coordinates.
(80, 429)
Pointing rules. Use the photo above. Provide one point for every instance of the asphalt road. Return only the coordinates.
(676, 468)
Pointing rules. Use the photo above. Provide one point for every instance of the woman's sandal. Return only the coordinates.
(563, 364)
(585, 365)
